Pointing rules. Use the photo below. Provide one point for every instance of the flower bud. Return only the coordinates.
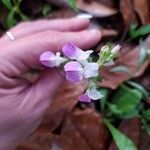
(116, 49)
(105, 51)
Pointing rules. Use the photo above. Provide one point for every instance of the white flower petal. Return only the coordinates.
(82, 55)
(59, 59)
(115, 49)
(94, 94)
(93, 66)
(90, 73)
(90, 70)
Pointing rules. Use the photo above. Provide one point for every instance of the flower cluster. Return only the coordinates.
(78, 65)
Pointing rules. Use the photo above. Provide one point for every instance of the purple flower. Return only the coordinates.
(73, 52)
(90, 94)
(51, 60)
(84, 98)
(75, 71)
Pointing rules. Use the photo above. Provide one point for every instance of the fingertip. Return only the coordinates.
(78, 24)
(90, 38)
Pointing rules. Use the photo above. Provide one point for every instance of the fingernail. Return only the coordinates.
(94, 31)
(85, 16)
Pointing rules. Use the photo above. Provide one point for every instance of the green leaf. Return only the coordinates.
(46, 9)
(8, 4)
(103, 99)
(72, 4)
(120, 69)
(146, 125)
(140, 88)
(11, 21)
(142, 31)
(125, 102)
(146, 114)
(120, 114)
(122, 141)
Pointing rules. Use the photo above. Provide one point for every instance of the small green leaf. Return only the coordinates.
(8, 4)
(11, 21)
(142, 31)
(120, 69)
(139, 87)
(72, 4)
(122, 141)
(46, 9)
(98, 78)
(103, 99)
(125, 102)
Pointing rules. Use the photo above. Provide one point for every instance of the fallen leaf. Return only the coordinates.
(142, 8)
(127, 11)
(95, 8)
(144, 141)
(108, 33)
(83, 129)
(38, 141)
(131, 128)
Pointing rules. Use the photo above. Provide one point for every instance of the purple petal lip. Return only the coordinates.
(73, 66)
(85, 98)
(48, 59)
(74, 71)
(69, 50)
(74, 76)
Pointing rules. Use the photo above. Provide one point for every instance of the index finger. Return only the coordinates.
(25, 53)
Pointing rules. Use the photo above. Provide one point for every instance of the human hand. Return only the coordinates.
(22, 103)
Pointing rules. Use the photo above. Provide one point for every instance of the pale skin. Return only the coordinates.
(22, 104)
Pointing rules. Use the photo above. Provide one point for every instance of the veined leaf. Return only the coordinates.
(140, 88)
(8, 4)
(125, 102)
(121, 114)
(122, 141)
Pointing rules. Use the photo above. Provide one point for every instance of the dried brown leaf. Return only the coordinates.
(38, 141)
(83, 130)
(142, 8)
(127, 11)
(95, 8)
(144, 141)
